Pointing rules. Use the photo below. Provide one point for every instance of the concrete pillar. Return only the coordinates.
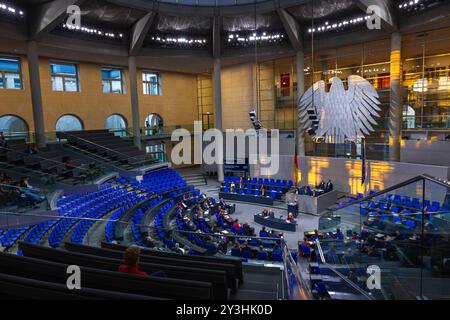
(217, 85)
(134, 102)
(300, 92)
(396, 105)
(36, 96)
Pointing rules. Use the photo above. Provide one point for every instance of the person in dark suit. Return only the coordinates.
(248, 231)
(245, 247)
(329, 186)
(321, 185)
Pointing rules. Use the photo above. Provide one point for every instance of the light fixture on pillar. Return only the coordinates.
(254, 119)
(253, 113)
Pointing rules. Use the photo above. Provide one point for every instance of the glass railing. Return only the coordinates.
(401, 235)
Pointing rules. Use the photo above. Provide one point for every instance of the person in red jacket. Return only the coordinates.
(131, 259)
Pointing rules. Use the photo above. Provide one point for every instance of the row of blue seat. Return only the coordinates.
(9, 238)
(91, 209)
(265, 181)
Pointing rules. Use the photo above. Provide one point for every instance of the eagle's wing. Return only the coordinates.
(363, 101)
(317, 94)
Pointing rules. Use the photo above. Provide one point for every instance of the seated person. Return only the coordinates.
(25, 189)
(177, 249)
(276, 249)
(290, 217)
(131, 261)
(209, 202)
(339, 235)
(223, 204)
(245, 247)
(248, 231)
(237, 246)
(265, 212)
(232, 186)
(321, 185)
(315, 236)
(236, 225)
(202, 196)
(328, 186)
(30, 149)
(263, 233)
(262, 190)
(149, 242)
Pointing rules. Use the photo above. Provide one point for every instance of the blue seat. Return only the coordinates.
(235, 252)
(261, 255)
(277, 255)
(246, 254)
(306, 250)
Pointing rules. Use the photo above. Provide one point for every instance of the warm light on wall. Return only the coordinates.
(396, 65)
(377, 171)
(354, 180)
(315, 173)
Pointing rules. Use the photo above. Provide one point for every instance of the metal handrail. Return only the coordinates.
(98, 145)
(59, 163)
(397, 186)
(340, 275)
(304, 291)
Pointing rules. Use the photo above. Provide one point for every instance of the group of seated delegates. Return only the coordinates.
(263, 233)
(246, 250)
(269, 213)
(199, 222)
(20, 193)
(257, 187)
(318, 190)
(131, 263)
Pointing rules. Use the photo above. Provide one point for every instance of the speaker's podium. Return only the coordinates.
(316, 205)
(291, 202)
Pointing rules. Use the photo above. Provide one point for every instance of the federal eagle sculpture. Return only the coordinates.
(339, 115)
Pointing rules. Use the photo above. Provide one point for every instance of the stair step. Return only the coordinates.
(254, 295)
(259, 286)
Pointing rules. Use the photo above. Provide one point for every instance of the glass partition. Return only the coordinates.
(401, 234)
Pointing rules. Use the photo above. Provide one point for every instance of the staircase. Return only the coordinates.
(195, 180)
(260, 283)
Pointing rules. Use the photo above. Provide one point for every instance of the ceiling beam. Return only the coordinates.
(139, 32)
(387, 12)
(292, 28)
(217, 40)
(437, 17)
(48, 15)
(207, 11)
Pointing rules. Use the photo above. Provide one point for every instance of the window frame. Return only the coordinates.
(147, 84)
(19, 72)
(110, 80)
(63, 76)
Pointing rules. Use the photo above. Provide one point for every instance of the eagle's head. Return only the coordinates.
(336, 85)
